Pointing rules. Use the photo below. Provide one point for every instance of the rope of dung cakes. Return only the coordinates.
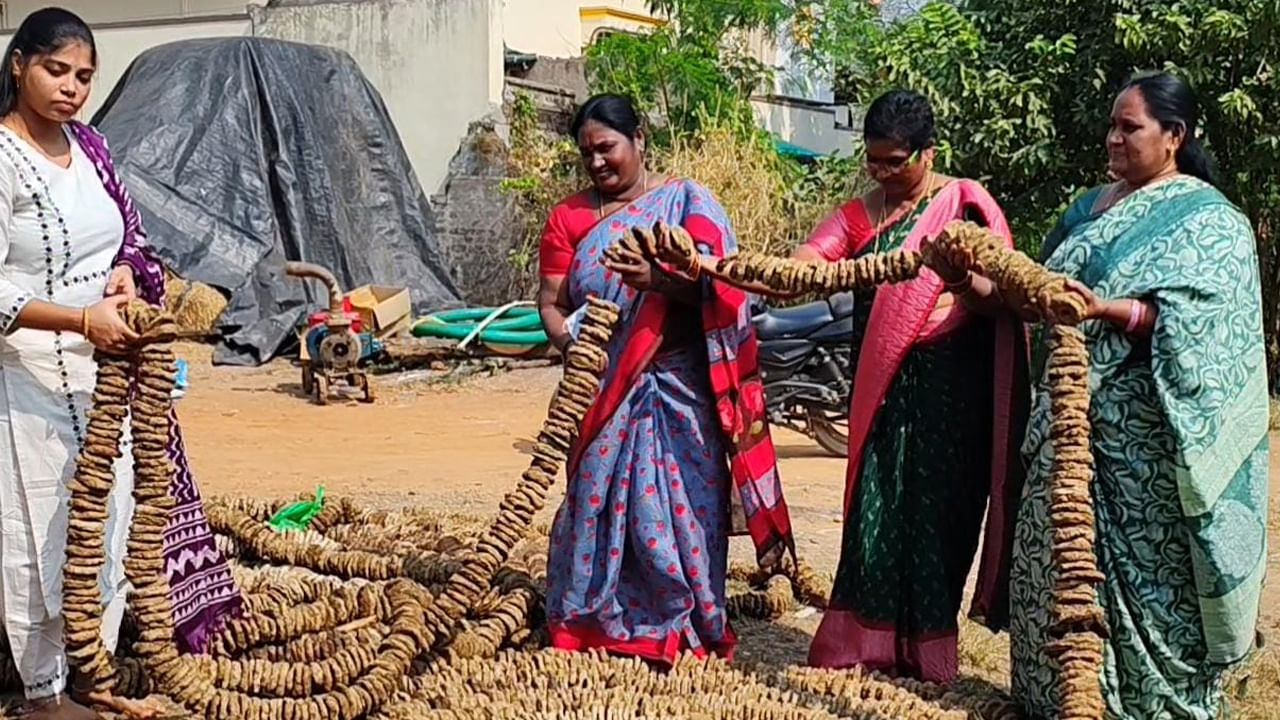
(674, 245)
(272, 624)
(584, 362)
(258, 540)
(1078, 625)
(809, 586)
(979, 699)
(769, 604)
(278, 618)
(497, 621)
(910, 698)
(182, 678)
(509, 613)
(213, 688)
(484, 637)
(90, 488)
(362, 682)
(1021, 280)
(365, 555)
(595, 685)
(137, 387)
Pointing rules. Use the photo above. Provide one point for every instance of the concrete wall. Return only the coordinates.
(118, 45)
(436, 63)
(110, 11)
(561, 28)
(543, 27)
(824, 129)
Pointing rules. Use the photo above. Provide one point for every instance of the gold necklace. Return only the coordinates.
(884, 215)
(644, 183)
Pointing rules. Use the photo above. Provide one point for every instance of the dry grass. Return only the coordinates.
(1252, 689)
(772, 203)
(772, 207)
(744, 178)
(195, 306)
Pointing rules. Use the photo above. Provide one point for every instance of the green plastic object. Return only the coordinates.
(520, 327)
(298, 516)
(792, 150)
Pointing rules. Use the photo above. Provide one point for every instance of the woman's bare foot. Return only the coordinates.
(61, 707)
(148, 708)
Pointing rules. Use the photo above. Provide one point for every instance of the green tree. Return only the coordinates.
(695, 67)
(1023, 89)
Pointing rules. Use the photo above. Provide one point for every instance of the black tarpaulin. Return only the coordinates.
(243, 153)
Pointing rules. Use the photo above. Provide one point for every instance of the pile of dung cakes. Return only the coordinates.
(416, 613)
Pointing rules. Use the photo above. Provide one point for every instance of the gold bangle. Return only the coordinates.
(84, 322)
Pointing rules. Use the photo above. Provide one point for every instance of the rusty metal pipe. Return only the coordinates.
(315, 272)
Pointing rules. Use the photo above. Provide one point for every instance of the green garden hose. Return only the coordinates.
(513, 329)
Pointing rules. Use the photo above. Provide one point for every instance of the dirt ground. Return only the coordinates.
(460, 445)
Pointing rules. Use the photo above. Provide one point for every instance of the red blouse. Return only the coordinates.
(575, 217)
(568, 223)
(837, 237)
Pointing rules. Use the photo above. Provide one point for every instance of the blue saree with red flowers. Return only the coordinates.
(673, 458)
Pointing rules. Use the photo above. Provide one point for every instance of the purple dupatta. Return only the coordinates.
(201, 589)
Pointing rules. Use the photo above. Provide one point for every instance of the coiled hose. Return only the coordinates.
(513, 329)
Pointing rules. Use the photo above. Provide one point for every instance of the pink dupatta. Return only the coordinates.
(905, 314)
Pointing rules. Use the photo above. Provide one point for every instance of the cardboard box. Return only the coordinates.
(385, 310)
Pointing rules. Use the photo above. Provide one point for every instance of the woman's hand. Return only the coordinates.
(636, 270)
(107, 331)
(953, 263)
(1093, 306)
(676, 248)
(120, 282)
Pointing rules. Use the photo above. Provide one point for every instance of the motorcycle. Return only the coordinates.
(807, 369)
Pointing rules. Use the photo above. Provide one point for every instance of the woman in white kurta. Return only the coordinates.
(63, 219)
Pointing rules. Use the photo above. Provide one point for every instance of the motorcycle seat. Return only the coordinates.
(793, 321)
(841, 304)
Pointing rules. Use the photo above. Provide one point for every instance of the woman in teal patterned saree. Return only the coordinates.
(1179, 415)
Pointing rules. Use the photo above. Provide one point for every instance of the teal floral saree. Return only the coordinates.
(1180, 444)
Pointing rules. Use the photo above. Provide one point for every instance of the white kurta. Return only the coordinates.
(59, 234)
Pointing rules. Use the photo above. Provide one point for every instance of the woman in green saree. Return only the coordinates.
(1179, 424)
(938, 404)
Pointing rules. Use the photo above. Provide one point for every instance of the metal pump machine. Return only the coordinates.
(336, 341)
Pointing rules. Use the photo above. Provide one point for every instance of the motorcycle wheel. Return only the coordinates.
(831, 432)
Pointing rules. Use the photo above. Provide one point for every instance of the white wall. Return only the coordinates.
(119, 45)
(110, 11)
(436, 63)
(543, 27)
(822, 129)
(556, 28)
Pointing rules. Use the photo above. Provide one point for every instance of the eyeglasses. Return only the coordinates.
(892, 165)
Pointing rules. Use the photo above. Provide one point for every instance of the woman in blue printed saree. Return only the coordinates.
(1179, 424)
(676, 445)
